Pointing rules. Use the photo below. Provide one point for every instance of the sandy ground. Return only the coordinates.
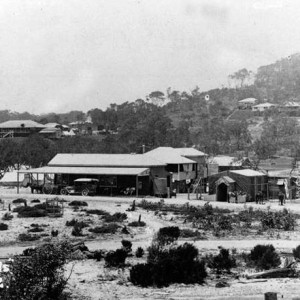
(91, 281)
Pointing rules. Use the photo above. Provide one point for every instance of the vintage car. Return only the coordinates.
(83, 186)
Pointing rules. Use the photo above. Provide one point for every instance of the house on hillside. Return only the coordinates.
(290, 107)
(263, 106)
(247, 103)
(19, 128)
(51, 133)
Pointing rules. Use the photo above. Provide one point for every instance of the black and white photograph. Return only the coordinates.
(149, 149)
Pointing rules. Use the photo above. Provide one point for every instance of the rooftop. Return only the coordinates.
(248, 172)
(21, 124)
(104, 160)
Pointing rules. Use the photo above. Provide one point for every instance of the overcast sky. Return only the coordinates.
(62, 55)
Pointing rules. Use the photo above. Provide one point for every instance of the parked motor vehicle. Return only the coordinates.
(83, 186)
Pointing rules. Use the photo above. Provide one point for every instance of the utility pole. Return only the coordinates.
(143, 146)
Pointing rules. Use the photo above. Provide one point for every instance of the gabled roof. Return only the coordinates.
(50, 130)
(103, 160)
(248, 100)
(248, 173)
(20, 124)
(53, 125)
(168, 155)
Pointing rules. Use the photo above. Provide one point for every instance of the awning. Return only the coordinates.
(89, 171)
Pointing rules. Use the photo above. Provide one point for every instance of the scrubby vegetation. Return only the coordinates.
(107, 228)
(222, 261)
(3, 226)
(264, 257)
(40, 275)
(78, 203)
(168, 263)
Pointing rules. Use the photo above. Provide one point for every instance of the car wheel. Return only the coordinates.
(47, 189)
(64, 192)
(85, 192)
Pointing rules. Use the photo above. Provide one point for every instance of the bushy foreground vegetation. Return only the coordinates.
(39, 275)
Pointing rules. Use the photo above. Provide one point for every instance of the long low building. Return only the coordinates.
(152, 173)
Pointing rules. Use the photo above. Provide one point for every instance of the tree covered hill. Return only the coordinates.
(208, 120)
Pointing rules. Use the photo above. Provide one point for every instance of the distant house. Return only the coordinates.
(290, 106)
(263, 107)
(51, 133)
(247, 103)
(19, 128)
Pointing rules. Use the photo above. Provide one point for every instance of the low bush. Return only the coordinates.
(174, 265)
(36, 229)
(77, 230)
(167, 235)
(40, 275)
(24, 237)
(127, 245)
(7, 216)
(35, 201)
(116, 217)
(221, 261)
(74, 222)
(99, 212)
(78, 203)
(3, 226)
(107, 228)
(264, 257)
(20, 201)
(296, 253)
(116, 258)
(98, 255)
(283, 220)
(137, 224)
(54, 233)
(189, 233)
(139, 252)
(31, 212)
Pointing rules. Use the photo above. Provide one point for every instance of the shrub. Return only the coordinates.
(137, 224)
(283, 220)
(99, 212)
(31, 212)
(168, 235)
(19, 201)
(77, 230)
(35, 201)
(116, 217)
(54, 233)
(74, 222)
(296, 252)
(264, 257)
(116, 258)
(98, 255)
(188, 233)
(38, 276)
(36, 229)
(7, 217)
(78, 203)
(107, 228)
(24, 237)
(175, 265)
(139, 252)
(3, 226)
(127, 245)
(222, 261)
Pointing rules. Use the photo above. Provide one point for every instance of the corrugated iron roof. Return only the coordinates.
(248, 172)
(168, 155)
(103, 160)
(189, 152)
(86, 170)
(248, 100)
(20, 124)
(224, 161)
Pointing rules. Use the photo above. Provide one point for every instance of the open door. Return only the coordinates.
(222, 192)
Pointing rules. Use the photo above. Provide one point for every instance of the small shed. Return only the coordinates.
(224, 185)
(250, 182)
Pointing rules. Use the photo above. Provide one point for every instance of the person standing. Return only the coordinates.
(281, 198)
